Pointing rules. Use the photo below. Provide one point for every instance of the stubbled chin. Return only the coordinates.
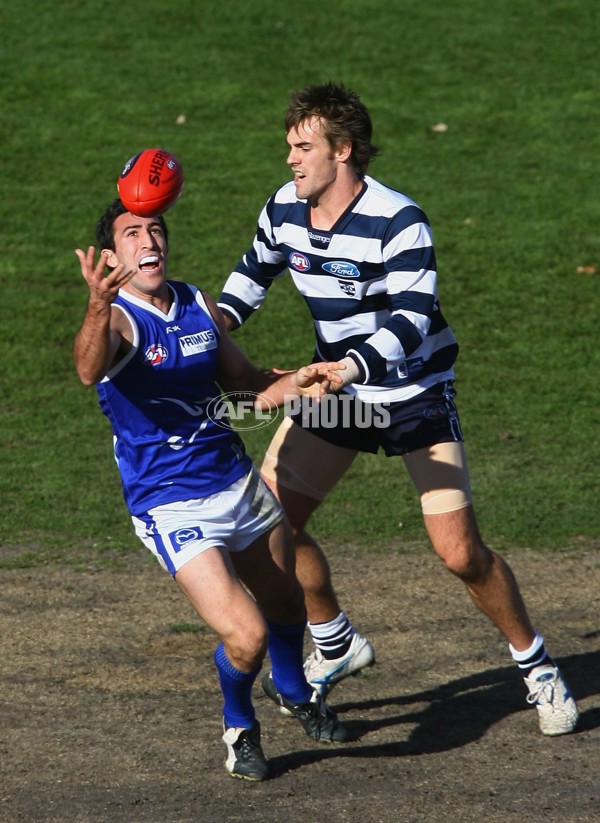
(299, 189)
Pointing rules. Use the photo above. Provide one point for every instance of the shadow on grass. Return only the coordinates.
(457, 713)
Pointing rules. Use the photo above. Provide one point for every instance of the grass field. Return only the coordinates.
(510, 188)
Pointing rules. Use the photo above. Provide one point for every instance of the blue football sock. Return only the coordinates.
(286, 644)
(237, 688)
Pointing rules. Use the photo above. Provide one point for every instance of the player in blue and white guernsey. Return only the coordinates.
(159, 353)
(361, 254)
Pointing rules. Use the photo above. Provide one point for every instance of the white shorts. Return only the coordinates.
(232, 519)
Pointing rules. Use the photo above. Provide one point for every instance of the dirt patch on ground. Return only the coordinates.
(108, 714)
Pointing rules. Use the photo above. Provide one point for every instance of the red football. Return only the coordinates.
(151, 181)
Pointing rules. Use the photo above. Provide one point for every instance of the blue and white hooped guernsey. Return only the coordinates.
(370, 285)
(166, 446)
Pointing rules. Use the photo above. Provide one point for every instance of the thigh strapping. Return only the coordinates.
(441, 475)
(303, 462)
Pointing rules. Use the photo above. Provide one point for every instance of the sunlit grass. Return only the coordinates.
(509, 187)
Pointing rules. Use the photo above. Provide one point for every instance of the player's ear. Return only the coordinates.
(343, 151)
(110, 257)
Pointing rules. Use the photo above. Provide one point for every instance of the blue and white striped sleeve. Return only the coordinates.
(247, 285)
(409, 259)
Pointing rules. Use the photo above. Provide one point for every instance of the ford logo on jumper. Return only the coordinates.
(340, 269)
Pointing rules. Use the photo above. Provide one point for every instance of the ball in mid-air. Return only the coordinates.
(150, 182)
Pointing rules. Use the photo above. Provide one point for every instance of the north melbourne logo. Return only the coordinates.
(182, 537)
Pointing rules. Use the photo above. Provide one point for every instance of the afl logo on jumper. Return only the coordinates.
(156, 354)
(341, 269)
(299, 262)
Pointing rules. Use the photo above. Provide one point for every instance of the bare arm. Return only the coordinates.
(238, 373)
(229, 323)
(313, 380)
(103, 331)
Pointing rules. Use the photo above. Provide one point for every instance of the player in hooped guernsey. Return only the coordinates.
(361, 255)
(369, 284)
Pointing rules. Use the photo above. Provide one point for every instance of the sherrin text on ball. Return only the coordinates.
(150, 182)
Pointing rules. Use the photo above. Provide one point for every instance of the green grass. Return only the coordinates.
(510, 189)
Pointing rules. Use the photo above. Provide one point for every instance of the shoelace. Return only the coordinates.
(323, 716)
(539, 692)
(246, 745)
(314, 657)
(316, 710)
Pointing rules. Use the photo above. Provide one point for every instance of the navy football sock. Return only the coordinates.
(333, 638)
(528, 659)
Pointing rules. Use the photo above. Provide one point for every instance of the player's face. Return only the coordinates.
(140, 244)
(312, 160)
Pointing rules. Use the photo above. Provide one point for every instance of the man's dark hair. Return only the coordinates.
(104, 227)
(343, 115)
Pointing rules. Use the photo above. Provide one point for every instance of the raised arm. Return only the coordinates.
(103, 331)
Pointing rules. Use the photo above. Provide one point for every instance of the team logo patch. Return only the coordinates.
(156, 354)
(299, 262)
(348, 288)
(339, 268)
(182, 537)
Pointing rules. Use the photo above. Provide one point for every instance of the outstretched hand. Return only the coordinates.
(320, 378)
(103, 287)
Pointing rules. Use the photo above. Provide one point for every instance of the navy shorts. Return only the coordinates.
(398, 428)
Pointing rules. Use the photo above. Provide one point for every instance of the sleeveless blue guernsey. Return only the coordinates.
(167, 447)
